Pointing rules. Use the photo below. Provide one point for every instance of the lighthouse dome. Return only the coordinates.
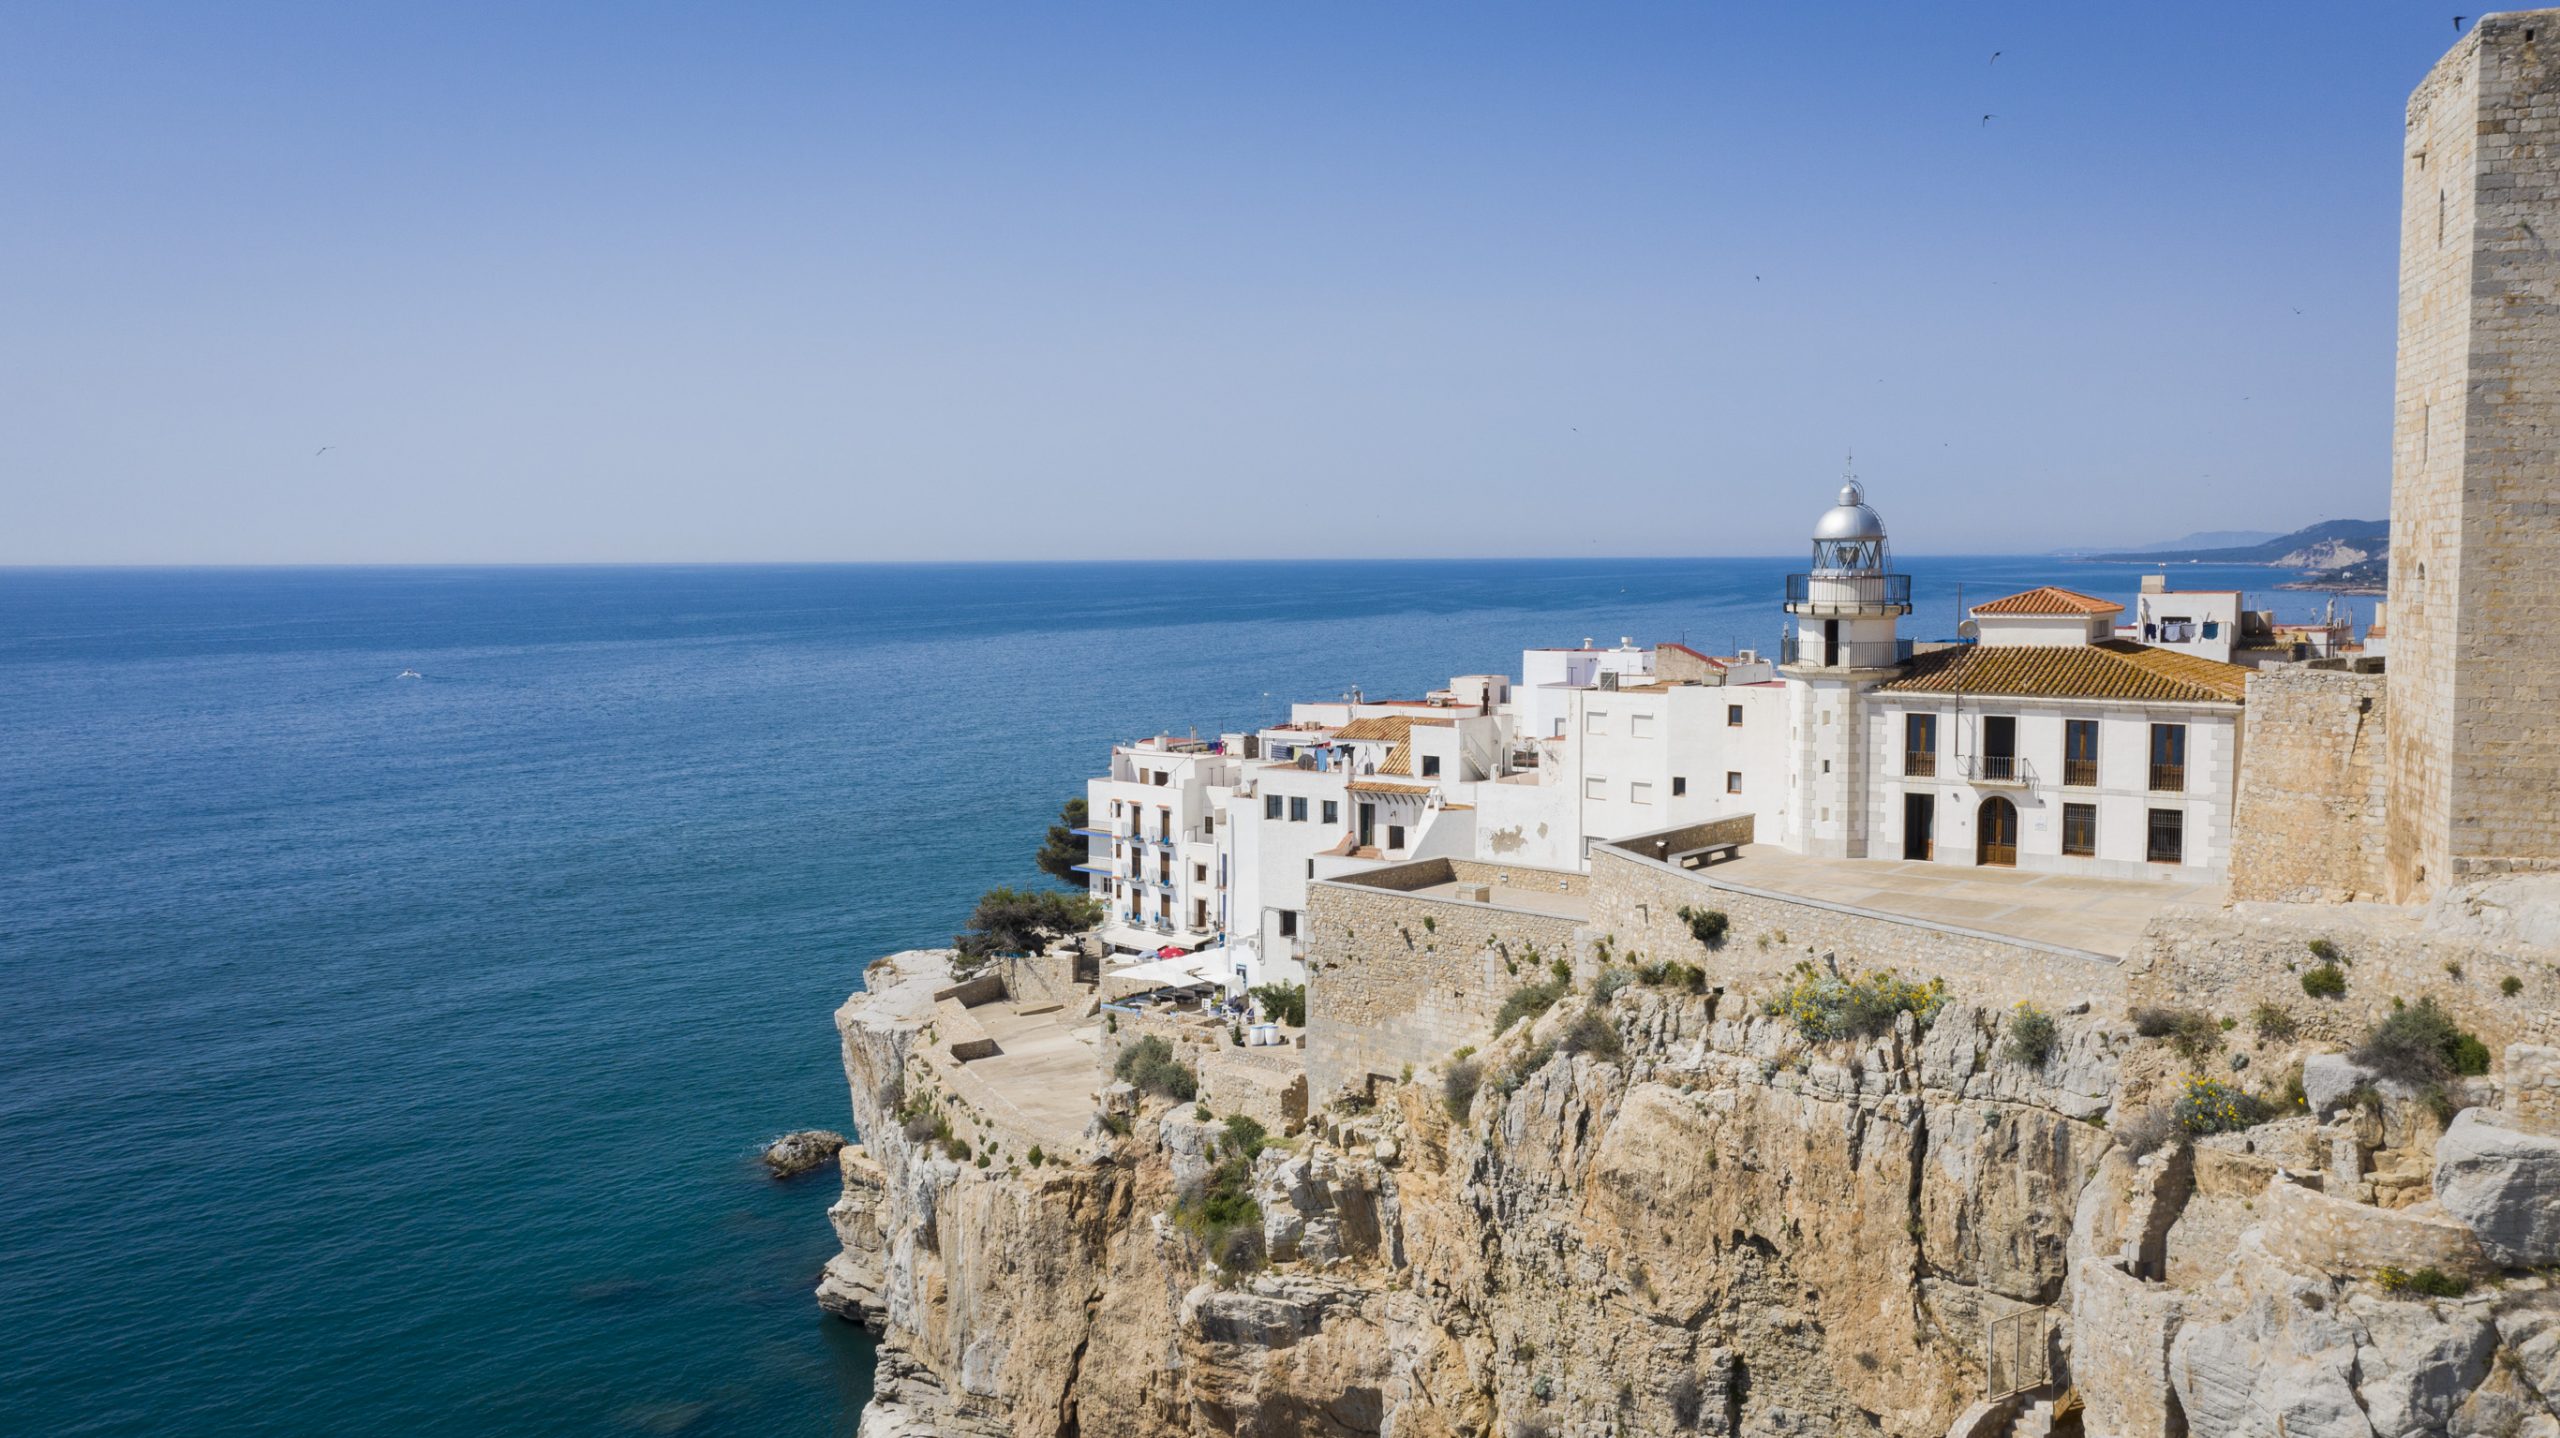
(1851, 518)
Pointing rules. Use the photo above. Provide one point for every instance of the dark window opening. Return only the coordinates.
(2168, 837)
(2080, 829)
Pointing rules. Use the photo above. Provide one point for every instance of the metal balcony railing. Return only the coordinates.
(1998, 769)
(2168, 778)
(1919, 763)
(1849, 595)
(2080, 773)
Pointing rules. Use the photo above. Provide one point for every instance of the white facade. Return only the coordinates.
(1548, 678)
(1151, 839)
(2201, 622)
(2046, 743)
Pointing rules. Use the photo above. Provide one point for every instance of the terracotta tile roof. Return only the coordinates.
(1701, 658)
(1372, 786)
(1391, 728)
(1399, 759)
(2049, 599)
(2110, 669)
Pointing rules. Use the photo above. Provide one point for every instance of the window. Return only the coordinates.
(1594, 722)
(1395, 836)
(1115, 808)
(1559, 728)
(1288, 923)
(1640, 725)
(1595, 788)
(1919, 745)
(1271, 806)
(1733, 716)
(2080, 754)
(1679, 785)
(1640, 792)
(1733, 781)
(1163, 776)
(2080, 829)
(2168, 837)
(2169, 758)
(1199, 873)
(1430, 766)
(1297, 810)
(1332, 812)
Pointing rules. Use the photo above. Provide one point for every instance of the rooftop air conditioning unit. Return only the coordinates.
(1609, 681)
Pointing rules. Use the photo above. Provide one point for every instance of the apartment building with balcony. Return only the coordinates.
(1152, 841)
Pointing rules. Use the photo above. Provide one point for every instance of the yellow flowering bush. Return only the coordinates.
(1823, 1005)
(2212, 1106)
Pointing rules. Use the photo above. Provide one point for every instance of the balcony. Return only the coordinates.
(2168, 778)
(1996, 770)
(1919, 764)
(2080, 773)
(1846, 596)
(1808, 655)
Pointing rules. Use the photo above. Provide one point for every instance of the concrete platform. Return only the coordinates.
(2102, 916)
(1538, 901)
(1047, 1067)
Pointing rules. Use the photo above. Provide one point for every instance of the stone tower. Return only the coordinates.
(1847, 612)
(2474, 672)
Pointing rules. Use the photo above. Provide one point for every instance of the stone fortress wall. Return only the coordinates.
(2308, 813)
(2475, 506)
(1397, 978)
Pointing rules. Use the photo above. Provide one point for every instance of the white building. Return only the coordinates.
(1549, 678)
(2046, 743)
(2202, 622)
(1152, 842)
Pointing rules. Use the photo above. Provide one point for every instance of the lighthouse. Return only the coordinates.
(1845, 636)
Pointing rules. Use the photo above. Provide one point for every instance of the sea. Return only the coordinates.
(404, 965)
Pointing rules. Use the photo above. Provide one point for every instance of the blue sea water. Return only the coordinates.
(389, 1054)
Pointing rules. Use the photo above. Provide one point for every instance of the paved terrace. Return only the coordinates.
(1540, 901)
(2101, 916)
(1046, 1070)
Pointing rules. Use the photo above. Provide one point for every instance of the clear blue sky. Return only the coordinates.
(936, 280)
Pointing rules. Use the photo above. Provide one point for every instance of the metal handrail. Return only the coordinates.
(1920, 763)
(1998, 769)
(1850, 593)
(2168, 778)
(2080, 773)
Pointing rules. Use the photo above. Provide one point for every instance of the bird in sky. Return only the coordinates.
(1987, 119)
(1995, 57)
(324, 449)
(2458, 19)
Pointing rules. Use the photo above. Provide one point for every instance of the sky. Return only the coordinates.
(389, 283)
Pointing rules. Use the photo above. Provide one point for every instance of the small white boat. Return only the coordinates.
(411, 674)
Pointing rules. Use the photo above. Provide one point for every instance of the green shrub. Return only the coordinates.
(1285, 1003)
(1246, 1136)
(1561, 971)
(1200, 1113)
(1149, 1063)
(1707, 926)
(1592, 1034)
(2212, 1106)
(2511, 986)
(1527, 1002)
(2273, 1022)
(2325, 982)
(1608, 986)
(1222, 1213)
(1036, 1157)
(2032, 1035)
(2419, 1044)
(2192, 1034)
(1020, 921)
(2323, 950)
(1827, 1006)
(1458, 1088)
(2428, 1282)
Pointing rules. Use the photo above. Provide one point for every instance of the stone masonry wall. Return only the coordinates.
(2225, 962)
(2475, 504)
(2309, 811)
(1636, 903)
(1395, 979)
(2334, 1235)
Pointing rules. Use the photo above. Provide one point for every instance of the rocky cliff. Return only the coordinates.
(1678, 1217)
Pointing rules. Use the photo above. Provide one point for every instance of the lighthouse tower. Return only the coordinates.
(1846, 613)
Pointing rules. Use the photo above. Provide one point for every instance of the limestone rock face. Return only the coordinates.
(2327, 1079)
(1721, 1229)
(2502, 1178)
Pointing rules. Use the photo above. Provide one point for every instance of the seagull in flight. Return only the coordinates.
(324, 449)
(1987, 119)
(1995, 57)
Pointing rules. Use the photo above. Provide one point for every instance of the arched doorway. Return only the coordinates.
(1995, 833)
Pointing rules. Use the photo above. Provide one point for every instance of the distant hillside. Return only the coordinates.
(2326, 545)
(2364, 576)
